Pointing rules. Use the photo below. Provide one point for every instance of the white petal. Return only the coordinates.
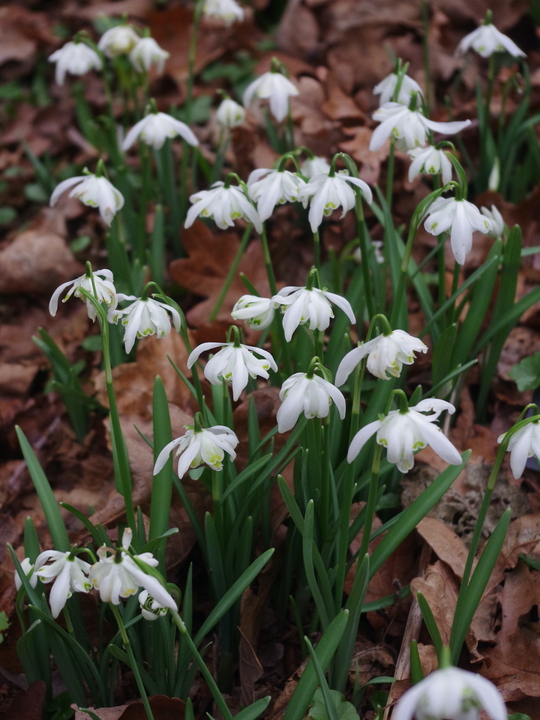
(360, 439)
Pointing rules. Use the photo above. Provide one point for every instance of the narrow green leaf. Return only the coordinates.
(162, 483)
(430, 622)
(253, 711)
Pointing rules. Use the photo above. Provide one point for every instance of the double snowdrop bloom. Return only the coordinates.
(431, 161)
(27, 568)
(144, 317)
(461, 218)
(496, 220)
(93, 191)
(69, 573)
(409, 127)
(234, 363)
(117, 575)
(523, 444)
(205, 446)
(309, 307)
(387, 87)
(227, 10)
(310, 394)
(269, 188)
(155, 128)
(402, 433)
(315, 166)
(145, 53)
(450, 694)
(255, 311)
(150, 608)
(224, 205)
(487, 40)
(230, 114)
(326, 193)
(100, 285)
(276, 88)
(119, 40)
(386, 355)
(76, 58)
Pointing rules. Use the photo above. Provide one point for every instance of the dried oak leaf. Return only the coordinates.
(505, 14)
(163, 708)
(358, 149)
(444, 542)
(22, 31)
(440, 589)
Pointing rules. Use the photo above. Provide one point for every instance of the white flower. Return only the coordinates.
(404, 433)
(387, 87)
(269, 188)
(328, 193)
(117, 575)
(523, 444)
(315, 166)
(76, 58)
(431, 161)
(310, 307)
(155, 128)
(234, 364)
(69, 573)
(150, 608)
(27, 568)
(276, 88)
(410, 127)
(197, 447)
(255, 311)
(385, 354)
(312, 395)
(144, 317)
(92, 191)
(224, 205)
(496, 220)
(230, 114)
(146, 52)
(119, 40)
(461, 218)
(452, 694)
(105, 292)
(486, 40)
(227, 10)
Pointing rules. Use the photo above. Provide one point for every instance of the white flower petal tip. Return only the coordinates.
(144, 317)
(230, 114)
(402, 434)
(92, 191)
(119, 40)
(461, 218)
(100, 285)
(451, 694)
(76, 59)
(312, 396)
(487, 40)
(386, 355)
(228, 11)
(312, 308)
(326, 194)
(523, 444)
(203, 447)
(274, 87)
(146, 53)
(387, 87)
(269, 188)
(224, 205)
(155, 128)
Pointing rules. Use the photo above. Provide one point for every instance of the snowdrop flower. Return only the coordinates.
(150, 608)
(310, 394)
(230, 114)
(487, 40)
(77, 58)
(105, 292)
(118, 575)
(315, 166)
(224, 205)
(409, 127)
(310, 307)
(431, 161)
(234, 363)
(269, 188)
(523, 444)
(386, 355)
(27, 568)
(119, 40)
(402, 433)
(227, 10)
(155, 128)
(255, 311)
(496, 220)
(146, 52)
(387, 87)
(461, 218)
(144, 317)
(199, 446)
(276, 88)
(94, 191)
(327, 193)
(452, 694)
(69, 572)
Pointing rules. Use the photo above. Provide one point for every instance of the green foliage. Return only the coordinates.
(527, 373)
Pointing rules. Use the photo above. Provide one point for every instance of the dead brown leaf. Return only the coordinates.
(444, 542)
(22, 31)
(28, 705)
(358, 149)
(163, 708)
(440, 589)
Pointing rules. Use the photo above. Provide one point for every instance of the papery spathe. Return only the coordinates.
(145, 53)
(105, 292)
(144, 317)
(327, 193)
(461, 218)
(276, 88)
(311, 395)
(76, 58)
(197, 447)
(224, 205)
(155, 128)
(92, 191)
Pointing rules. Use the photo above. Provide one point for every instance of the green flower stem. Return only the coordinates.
(363, 240)
(268, 262)
(232, 272)
(134, 667)
(343, 537)
(390, 173)
(223, 143)
(218, 697)
(317, 250)
(455, 282)
(372, 499)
